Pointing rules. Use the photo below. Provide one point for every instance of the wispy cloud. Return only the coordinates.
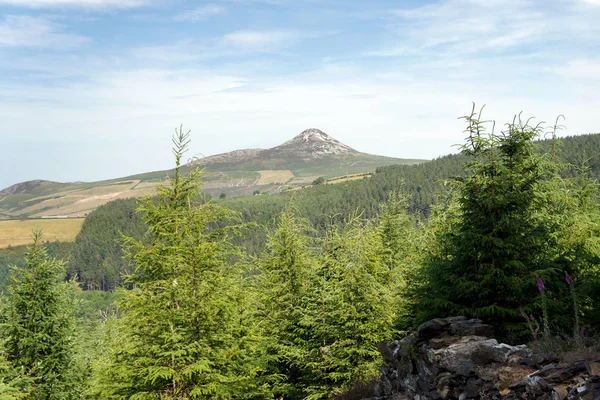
(76, 3)
(584, 69)
(200, 13)
(36, 32)
(233, 44)
(469, 26)
(261, 39)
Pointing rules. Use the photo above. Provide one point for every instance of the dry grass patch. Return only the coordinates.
(18, 232)
(81, 202)
(346, 178)
(276, 176)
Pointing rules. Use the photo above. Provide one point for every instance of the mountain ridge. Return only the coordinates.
(294, 163)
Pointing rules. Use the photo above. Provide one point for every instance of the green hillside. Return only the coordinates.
(97, 247)
(291, 165)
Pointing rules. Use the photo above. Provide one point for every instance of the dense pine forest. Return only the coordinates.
(181, 296)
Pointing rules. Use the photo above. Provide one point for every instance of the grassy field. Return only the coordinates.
(276, 176)
(18, 232)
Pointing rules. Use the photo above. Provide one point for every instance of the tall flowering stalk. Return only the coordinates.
(542, 288)
(531, 322)
(576, 332)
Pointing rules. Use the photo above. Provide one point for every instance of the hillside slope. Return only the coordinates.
(295, 163)
(97, 249)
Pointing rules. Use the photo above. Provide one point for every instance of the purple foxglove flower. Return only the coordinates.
(532, 318)
(524, 315)
(568, 278)
(540, 284)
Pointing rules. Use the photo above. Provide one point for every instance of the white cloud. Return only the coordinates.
(76, 3)
(581, 69)
(26, 31)
(200, 13)
(469, 26)
(260, 39)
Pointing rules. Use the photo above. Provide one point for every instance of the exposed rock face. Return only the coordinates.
(458, 358)
(310, 144)
(232, 157)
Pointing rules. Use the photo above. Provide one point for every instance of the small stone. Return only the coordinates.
(387, 350)
(431, 329)
(561, 391)
(593, 368)
(438, 343)
(544, 359)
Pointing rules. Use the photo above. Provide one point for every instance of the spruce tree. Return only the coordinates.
(354, 311)
(397, 247)
(285, 287)
(503, 232)
(185, 333)
(39, 325)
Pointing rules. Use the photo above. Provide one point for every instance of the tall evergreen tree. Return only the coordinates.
(354, 311)
(285, 287)
(504, 232)
(185, 333)
(396, 245)
(39, 327)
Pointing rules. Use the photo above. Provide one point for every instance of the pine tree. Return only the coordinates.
(185, 336)
(396, 245)
(504, 232)
(39, 325)
(285, 288)
(579, 245)
(355, 311)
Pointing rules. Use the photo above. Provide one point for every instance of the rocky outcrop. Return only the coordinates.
(310, 144)
(458, 358)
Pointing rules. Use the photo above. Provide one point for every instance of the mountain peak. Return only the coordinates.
(315, 143)
(311, 134)
(309, 144)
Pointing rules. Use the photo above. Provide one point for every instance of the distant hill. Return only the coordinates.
(97, 258)
(295, 163)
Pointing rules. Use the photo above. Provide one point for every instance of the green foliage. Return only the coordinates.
(352, 312)
(505, 229)
(186, 336)
(39, 325)
(13, 385)
(324, 308)
(285, 292)
(319, 181)
(97, 259)
(398, 242)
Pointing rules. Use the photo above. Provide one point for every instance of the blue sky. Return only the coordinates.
(92, 89)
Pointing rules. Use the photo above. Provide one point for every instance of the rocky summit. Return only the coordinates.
(310, 144)
(458, 358)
